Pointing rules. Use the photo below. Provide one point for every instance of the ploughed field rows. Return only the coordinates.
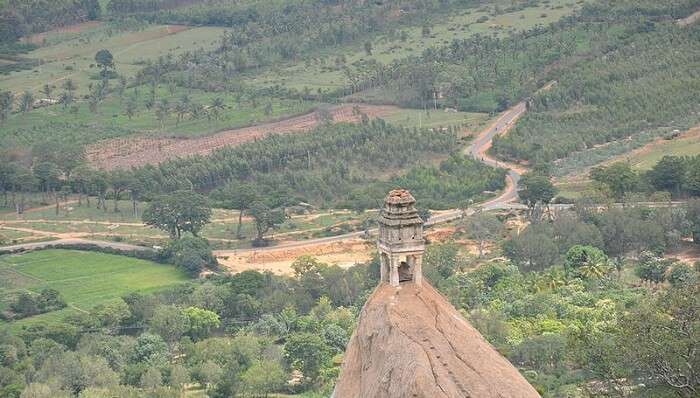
(131, 152)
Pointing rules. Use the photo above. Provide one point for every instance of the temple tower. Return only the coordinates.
(400, 242)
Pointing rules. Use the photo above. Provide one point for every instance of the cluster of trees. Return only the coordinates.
(674, 175)
(21, 17)
(234, 335)
(320, 167)
(26, 304)
(576, 330)
(266, 34)
(632, 86)
(621, 232)
(457, 182)
(120, 7)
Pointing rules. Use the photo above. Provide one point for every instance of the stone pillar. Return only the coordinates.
(383, 275)
(417, 269)
(394, 271)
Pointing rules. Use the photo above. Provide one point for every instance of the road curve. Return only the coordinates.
(477, 150)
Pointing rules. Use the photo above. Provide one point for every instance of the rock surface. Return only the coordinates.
(410, 342)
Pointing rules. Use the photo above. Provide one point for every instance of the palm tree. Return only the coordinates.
(196, 111)
(594, 269)
(217, 105)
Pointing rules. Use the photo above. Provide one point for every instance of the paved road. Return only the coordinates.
(477, 150)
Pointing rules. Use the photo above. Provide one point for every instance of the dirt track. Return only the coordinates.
(130, 151)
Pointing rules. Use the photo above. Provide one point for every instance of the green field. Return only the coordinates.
(647, 157)
(84, 279)
(321, 72)
(436, 119)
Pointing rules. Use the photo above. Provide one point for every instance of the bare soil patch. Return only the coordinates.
(692, 18)
(688, 253)
(38, 38)
(138, 151)
(344, 254)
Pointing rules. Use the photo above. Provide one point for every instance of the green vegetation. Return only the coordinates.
(83, 279)
(678, 177)
(646, 159)
(624, 88)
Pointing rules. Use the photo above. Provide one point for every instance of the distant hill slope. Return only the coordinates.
(410, 342)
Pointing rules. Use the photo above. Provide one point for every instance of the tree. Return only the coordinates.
(619, 178)
(217, 105)
(26, 101)
(368, 47)
(69, 86)
(104, 60)
(169, 322)
(263, 377)
(201, 322)
(482, 227)
(179, 377)
(150, 349)
(190, 253)
(181, 108)
(46, 90)
(692, 178)
(651, 267)
(7, 99)
(161, 111)
(240, 197)
(131, 107)
(536, 188)
(120, 180)
(112, 314)
(693, 214)
(94, 9)
(66, 99)
(661, 337)
(533, 249)
(265, 219)
(307, 353)
(586, 261)
(151, 379)
(178, 212)
(683, 275)
(668, 174)
(209, 373)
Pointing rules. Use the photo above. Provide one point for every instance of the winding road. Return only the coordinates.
(477, 150)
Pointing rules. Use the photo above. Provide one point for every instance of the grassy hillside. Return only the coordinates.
(642, 84)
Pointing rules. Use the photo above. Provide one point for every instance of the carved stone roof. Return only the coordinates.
(399, 210)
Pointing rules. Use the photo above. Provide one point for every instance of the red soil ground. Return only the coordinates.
(139, 151)
(38, 38)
